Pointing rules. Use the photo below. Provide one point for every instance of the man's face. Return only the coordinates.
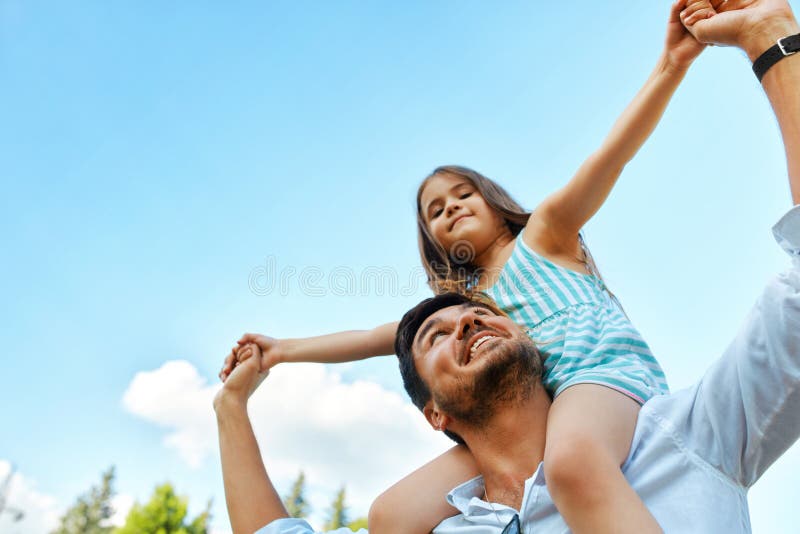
(474, 360)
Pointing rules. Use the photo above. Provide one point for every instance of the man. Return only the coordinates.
(694, 453)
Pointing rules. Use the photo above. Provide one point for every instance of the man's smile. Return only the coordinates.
(474, 343)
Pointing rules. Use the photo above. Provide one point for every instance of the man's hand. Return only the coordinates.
(752, 25)
(249, 494)
(244, 379)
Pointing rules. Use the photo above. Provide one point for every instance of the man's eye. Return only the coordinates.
(436, 334)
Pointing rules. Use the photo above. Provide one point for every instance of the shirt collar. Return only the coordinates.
(467, 498)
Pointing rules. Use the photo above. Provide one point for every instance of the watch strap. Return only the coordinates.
(784, 47)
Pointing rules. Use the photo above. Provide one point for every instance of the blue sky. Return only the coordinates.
(156, 155)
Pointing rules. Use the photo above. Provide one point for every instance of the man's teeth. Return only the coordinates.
(478, 344)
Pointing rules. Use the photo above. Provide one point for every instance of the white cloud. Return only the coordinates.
(177, 398)
(122, 504)
(41, 512)
(305, 418)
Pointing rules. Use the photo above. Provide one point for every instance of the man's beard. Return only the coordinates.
(510, 376)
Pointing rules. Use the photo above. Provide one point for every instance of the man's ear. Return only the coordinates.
(437, 419)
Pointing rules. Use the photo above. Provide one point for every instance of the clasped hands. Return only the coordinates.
(245, 367)
(740, 23)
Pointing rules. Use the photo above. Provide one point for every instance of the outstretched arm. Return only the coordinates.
(755, 26)
(249, 494)
(252, 501)
(744, 412)
(781, 84)
(747, 404)
(331, 348)
(560, 217)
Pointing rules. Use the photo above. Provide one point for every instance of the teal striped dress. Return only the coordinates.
(579, 327)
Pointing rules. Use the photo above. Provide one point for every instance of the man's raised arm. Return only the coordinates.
(249, 494)
(755, 26)
(253, 503)
(746, 410)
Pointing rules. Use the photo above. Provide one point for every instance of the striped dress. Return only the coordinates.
(579, 327)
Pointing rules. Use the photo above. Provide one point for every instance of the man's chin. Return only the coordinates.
(507, 374)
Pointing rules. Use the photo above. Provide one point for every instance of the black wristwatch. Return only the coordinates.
(784, 47)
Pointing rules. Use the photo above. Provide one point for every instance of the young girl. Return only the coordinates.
(599, 370)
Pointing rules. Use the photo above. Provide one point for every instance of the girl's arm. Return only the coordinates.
(332, 348)
(557, 221)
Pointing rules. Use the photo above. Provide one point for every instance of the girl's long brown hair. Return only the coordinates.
(453, 270)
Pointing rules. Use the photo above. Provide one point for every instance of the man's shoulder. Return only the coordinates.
(665, 416)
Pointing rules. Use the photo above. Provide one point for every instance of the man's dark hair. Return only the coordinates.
(415, 386)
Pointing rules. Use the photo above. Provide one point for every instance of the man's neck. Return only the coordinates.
(510, 447)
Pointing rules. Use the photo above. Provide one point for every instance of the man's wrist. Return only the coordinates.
(766, 34)
(226, 403)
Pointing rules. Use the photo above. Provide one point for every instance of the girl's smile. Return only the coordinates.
(458, 219)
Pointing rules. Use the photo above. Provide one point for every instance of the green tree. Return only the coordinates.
(295, 501)
(93, 510)
(338, 515)
(361, 522)
(165, 513)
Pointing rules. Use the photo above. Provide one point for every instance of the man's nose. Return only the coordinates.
(467, 322)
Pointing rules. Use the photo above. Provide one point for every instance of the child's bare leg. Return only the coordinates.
(589, 432)
(422, 493)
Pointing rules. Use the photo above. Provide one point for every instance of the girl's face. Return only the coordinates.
(454, 211)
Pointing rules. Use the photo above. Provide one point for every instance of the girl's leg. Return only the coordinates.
(589, 432)
(417, 503)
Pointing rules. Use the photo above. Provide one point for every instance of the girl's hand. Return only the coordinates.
(272, 350)
(243, 380)
(271, 353)
(681, 48)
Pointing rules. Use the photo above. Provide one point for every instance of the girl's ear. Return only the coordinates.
(437, 419)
